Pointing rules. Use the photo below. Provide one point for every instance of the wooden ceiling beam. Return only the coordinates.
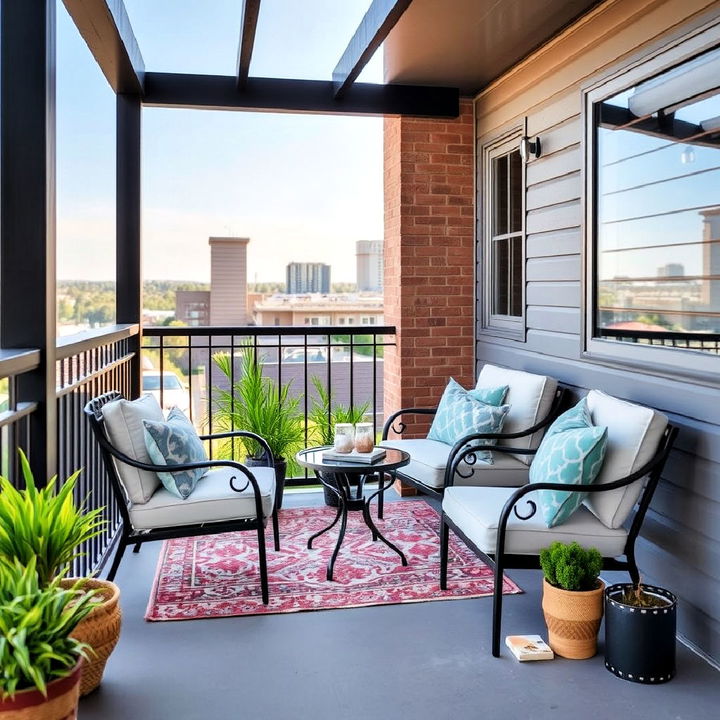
(250, 13)
(379, 20)
(105, 27)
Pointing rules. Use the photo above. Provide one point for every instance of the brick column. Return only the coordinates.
(429, 256)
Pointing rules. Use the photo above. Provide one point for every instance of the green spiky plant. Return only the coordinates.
(44, 524)
(35, 625)
(323, 418)
(254, 402)
(570, 566)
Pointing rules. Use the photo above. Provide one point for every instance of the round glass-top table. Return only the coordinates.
(338, 477)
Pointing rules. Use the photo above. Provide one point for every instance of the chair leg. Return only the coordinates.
(116, 560)
(444, 539)
(381, 497)
(276, 530)
(263, 563)
(497, 606)
(136, 549)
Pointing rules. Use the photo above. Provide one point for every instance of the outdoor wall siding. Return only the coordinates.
(429, 245)
(680, 543)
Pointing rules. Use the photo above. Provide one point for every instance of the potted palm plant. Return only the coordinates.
(323, 417)
(255, 403)
(41, 661)
(45, 526)
(572, 598)
(640, 622)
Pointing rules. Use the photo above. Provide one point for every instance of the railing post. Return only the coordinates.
(27, 211)
(128, 239)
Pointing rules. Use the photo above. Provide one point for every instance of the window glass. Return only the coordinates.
(657, 250)
(506, 229)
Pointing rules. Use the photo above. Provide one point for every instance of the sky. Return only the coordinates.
(302, 187)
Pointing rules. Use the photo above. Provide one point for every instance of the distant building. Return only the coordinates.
(192, 307)
(226, 301)
(671, 270)
(307, 278)
(319, 310)
(370, 265)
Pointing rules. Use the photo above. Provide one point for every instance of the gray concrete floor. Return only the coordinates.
(396, 662)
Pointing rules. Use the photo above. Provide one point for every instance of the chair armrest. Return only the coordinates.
(653, 468)
(242, 469)
(401, 427)
(469, 454)
(461, 451)
(267, 453)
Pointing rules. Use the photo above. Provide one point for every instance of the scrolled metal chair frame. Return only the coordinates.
(129, 536)
(500, 560)
(463, 448)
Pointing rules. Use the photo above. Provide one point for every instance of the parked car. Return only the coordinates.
(174, 392)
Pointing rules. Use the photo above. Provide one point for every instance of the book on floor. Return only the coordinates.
(529, 647)
(355, 457)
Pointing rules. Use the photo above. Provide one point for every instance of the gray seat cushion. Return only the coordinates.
(476, 511)
(213, 500)
(428, 459)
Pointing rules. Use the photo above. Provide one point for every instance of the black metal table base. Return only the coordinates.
(346, 503)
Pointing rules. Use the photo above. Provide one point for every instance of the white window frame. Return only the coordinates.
(509, 326)
(670, 362)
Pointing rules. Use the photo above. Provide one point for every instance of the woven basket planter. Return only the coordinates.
(100, 630)
(60, 704)
(573, 620)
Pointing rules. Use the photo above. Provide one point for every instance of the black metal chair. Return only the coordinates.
(457, 459)
(129, 535)
(500, 559)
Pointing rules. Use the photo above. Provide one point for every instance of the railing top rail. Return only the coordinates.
(16, 362)
(264, 330)
(657, 335)
(74, 344)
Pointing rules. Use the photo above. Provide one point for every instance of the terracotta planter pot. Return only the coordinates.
(60, 704)
(100, 630)
(573, 620)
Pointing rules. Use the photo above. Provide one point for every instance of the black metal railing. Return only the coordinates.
(347, 360)
(705, 342)
(14, 415)
(88, 365)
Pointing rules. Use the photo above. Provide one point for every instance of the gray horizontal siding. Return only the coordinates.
(680, 541)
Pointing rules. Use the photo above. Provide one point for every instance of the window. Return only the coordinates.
(504, 237)
(655, 269)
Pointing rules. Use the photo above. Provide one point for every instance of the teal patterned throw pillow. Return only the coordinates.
(460, 414)
(572, 453)
(490, 395)
(172, 443)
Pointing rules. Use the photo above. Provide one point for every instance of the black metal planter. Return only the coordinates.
(280, 472)
(640, 642)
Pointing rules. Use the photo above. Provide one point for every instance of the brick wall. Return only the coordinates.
(429, 256)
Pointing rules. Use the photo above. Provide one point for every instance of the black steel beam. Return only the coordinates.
(105, 27)
(379, 20)
(128, 255)
(250, 13)
(27, 211)
(218, 92)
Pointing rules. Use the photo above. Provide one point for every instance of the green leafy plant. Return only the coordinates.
(570, 566)
(256, 403)
(35, 624)
(323, 418)
(44, 524)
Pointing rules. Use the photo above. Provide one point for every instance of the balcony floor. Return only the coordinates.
(424, 660)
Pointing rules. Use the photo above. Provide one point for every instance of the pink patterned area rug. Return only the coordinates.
(217, 575)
